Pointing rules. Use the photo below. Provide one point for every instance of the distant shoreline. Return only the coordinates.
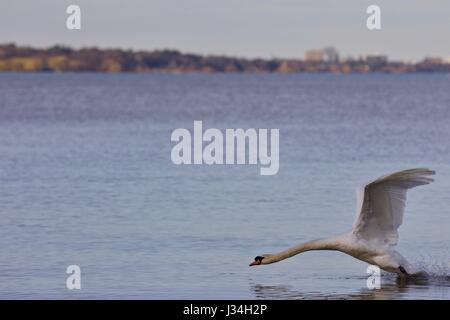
(65, 59)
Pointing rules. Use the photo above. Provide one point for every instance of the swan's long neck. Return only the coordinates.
(320, 244)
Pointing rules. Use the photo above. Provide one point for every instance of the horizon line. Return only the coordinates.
(347, 57)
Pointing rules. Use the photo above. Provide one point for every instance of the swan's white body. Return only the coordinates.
(380, 209)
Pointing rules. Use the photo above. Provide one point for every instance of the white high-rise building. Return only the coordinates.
(314, 55)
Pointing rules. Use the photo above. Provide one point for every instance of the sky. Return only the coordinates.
(411, 29)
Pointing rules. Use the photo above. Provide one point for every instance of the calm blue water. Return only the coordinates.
(86, 179)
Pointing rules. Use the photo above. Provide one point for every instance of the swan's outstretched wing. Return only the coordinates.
(381, 204)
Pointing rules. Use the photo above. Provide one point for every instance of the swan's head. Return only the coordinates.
(262, 259)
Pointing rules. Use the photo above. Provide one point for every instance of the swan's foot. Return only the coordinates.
(403, 271)
(411, 278)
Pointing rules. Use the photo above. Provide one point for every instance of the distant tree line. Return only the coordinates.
(65, 59)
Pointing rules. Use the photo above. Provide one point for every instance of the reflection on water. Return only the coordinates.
(393, 287)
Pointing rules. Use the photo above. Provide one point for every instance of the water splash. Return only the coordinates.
(437, 268)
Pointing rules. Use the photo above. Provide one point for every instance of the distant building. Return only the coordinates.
(331, 55)
(433, 64)
(349, 58)
(376, 60)
(433, 60)
(315, 55)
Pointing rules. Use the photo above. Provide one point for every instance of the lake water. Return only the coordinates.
(86, 178)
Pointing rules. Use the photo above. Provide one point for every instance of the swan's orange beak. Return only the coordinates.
(254, 263)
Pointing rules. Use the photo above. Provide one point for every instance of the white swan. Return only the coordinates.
(380, 207)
